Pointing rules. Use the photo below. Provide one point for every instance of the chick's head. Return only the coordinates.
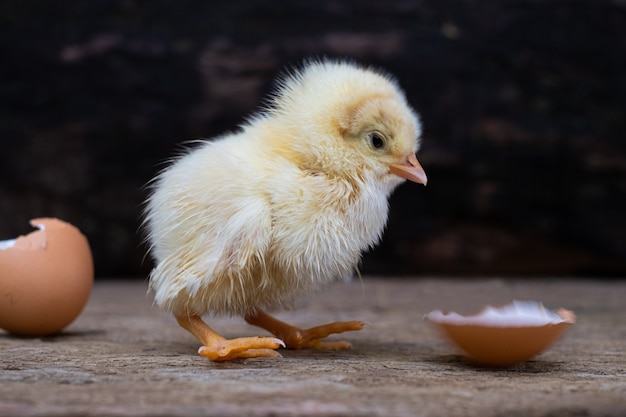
(346, 120)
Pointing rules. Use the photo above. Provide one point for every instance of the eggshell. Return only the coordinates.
(46, 278)
(504, 336)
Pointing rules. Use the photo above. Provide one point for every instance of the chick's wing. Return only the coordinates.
(213, 221)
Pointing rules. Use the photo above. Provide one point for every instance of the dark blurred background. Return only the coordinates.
(523, 104)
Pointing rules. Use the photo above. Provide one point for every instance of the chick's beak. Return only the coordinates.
(410, 169)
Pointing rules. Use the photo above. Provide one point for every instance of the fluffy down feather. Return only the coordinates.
(255, 219)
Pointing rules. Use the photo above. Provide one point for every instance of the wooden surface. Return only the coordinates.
(123, 357)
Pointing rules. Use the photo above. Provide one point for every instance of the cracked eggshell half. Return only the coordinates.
(506, 335)
(46, 278)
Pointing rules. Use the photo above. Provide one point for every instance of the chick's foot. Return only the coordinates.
(297, 338)
(218, 348)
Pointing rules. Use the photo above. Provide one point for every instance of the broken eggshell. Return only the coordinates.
(506, 335)
(46, 278)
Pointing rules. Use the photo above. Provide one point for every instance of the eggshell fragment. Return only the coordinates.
(504, 336)
(46, 278)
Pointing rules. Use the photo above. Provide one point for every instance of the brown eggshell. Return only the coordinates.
(502, 344)
(46, 278)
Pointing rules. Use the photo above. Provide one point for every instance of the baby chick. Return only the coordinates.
(253, 220)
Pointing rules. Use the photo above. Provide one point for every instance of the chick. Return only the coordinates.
(253, 220)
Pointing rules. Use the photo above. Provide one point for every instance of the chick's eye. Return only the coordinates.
(376, 140)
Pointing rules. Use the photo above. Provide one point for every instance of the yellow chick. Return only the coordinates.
(253, 220)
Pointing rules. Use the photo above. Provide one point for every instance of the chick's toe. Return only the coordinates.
(241, 348)
(297, 338)
(218, 348)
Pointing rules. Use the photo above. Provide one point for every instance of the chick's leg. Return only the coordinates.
(296, 338)
(218, 348)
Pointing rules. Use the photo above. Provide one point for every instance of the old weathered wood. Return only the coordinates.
(123, 357)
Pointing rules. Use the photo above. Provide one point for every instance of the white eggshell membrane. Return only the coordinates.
(516, 314)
